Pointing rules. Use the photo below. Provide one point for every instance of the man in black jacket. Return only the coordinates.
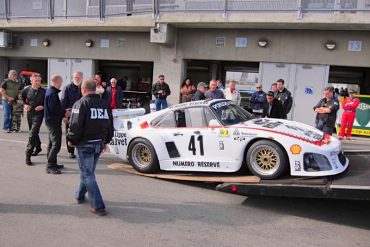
(199, 94)
(285, 97)
(33, 97)
(273, 107)
(54, 113)
(91, 129)
(70, 94)
(160, 91)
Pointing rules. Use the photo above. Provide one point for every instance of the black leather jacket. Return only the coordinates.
(91, 120)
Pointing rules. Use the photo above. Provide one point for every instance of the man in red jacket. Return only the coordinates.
(349, 106)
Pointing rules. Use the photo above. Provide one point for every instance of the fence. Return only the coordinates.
(101, 9)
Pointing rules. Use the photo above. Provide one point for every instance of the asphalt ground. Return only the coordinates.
(38, 209)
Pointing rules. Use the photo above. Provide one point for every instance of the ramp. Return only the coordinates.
(196, 177)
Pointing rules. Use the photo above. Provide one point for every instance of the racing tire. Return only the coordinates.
(143, 156)
(266, 159)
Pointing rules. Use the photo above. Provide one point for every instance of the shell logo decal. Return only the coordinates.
(295, 149)
(224, 133)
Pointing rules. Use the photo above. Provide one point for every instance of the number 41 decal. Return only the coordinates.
(192, 147)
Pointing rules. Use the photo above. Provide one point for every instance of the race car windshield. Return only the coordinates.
(230, 114)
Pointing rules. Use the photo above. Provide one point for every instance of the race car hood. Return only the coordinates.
(285, 127)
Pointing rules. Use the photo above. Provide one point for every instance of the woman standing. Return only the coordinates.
(187, 90)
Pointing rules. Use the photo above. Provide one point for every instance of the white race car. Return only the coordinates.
(219, 136)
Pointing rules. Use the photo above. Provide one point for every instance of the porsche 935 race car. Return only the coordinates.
(219, 136)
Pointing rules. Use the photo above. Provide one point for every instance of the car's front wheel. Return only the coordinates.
(266, 159)
(143, 156)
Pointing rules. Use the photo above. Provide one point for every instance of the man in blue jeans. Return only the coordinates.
(90, 130)
(10, 89)
(160, 91)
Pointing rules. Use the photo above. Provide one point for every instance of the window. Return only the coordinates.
(166, 120)
(197, 117)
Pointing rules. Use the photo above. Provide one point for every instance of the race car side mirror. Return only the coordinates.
(213, 123)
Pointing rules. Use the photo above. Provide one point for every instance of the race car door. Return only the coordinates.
(199, 147)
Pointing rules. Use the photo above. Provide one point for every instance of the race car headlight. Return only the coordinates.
(315, 162)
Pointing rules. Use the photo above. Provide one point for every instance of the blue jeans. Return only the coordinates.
(7, 115)
(160, 104)
(87, 157)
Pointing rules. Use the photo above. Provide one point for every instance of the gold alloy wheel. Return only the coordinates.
(142, 155)
(265, 160)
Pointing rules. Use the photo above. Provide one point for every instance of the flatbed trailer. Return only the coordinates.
(353, 184)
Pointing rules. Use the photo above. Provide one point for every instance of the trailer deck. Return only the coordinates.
(353, 184)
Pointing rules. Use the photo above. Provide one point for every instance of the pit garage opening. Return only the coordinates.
(357, 78)
(244, 73)
(26, 66)
(134, 77)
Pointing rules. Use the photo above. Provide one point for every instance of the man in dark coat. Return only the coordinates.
(70, 94)
(199, 94)
(285, 97)
(114, 95)
(54, 114)
(273, 107)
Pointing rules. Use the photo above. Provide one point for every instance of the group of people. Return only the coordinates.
(87, 117)
(276, 103)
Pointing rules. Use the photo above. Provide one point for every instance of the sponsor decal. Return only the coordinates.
(221, 145)
(221, 104)
(183, 163)
(208, 164)
(198, 164)
(236, 132)
(295, 149)
(267, 123)
(247, 134)
(224, 133)
(119, 139)
(308, 133)
(297, 166)
(239, 138)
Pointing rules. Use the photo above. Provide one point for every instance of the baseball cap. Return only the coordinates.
(200, 84)
(270, 93)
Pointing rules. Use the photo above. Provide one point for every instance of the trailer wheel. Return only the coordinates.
(143, 156)
(266, 159)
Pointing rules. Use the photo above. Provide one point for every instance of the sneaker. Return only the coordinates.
(340, 137)
(59, 166)
(29, 162)
(36, 152)
(99, 212)
(72, 156)
(7, 130)
(52, 170)
(80, 201)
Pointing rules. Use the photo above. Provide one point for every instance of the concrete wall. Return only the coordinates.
(72, 45)
(287, 46)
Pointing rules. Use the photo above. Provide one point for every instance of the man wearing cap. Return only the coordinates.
(349, 106)
(199, 94)
(10, 89)
(326, 110)
(273, 107)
